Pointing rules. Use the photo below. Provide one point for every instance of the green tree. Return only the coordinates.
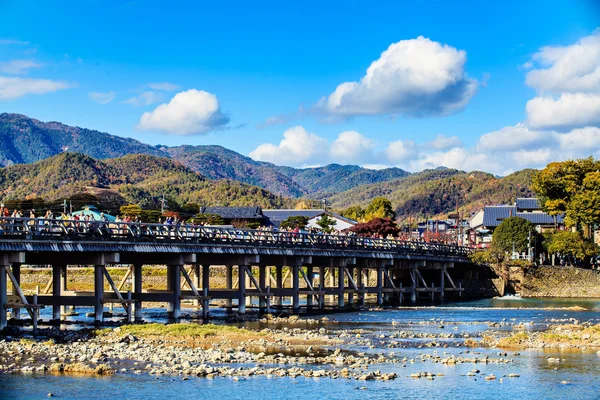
(380, 207)
(326, 223)
(357, 213)
(295, 221)
(151, 216)
(513, 231)
(132, 210)
(571, 188)
(571, 244)
(209, 219)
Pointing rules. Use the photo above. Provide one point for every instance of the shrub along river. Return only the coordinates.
(419, 340)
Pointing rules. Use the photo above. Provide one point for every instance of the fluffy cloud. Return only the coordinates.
(17, 67)
(400, 152)
(573, 69)
(512, 138)
(568, 81)
(443, 142)
(298, 147)
(568, 111)
(351, 147)
(102, 98)
(12, 88)
(193, 112)
(416, 77)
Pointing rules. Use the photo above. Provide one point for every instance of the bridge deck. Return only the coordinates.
(347, 260)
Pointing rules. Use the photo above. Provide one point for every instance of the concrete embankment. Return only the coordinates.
(555, 281)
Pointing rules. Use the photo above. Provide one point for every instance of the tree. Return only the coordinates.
(380, 207)
(570, 188)
(326, 223)
(357, 213)
(376, 227)
(513, 231)
(571, 244)
(151, 216)
(209, 219)
(295, 221)
(131, 210)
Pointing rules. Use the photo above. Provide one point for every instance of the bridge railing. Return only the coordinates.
(59, 229)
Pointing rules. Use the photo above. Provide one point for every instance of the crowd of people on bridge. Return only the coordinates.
(175, 227)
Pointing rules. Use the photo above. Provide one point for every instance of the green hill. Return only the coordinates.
(140, 179)
(440, 191)
(27, 140)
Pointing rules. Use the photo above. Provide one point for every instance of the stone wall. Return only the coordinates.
(549, 281)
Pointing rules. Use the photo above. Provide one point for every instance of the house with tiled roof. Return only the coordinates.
(238, 216)
(276, 217)
(484, 222)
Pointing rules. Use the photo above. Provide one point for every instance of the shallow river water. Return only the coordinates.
(577, 377)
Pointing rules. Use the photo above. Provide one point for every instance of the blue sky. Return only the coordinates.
(249, 72)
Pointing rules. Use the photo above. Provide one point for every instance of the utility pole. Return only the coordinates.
(162, 204)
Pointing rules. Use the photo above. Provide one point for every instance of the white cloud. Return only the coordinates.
(573, 69)
(164, 86)
(399, 152)
(192, 112)
(298, 147)
(416, 77)
(17, 67)
(500, 152)
(12, 88)
(568, 82)
(443, 142)
(145, 98)
(512, 138)
(102, 98)
(568, 111)
(352, 147)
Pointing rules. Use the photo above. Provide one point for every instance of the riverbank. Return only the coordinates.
(212, 351)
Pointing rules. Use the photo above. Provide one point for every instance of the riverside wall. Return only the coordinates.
(556, 281)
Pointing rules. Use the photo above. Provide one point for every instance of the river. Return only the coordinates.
(575, 377)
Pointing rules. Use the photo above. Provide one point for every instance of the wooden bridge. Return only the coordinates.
(345, 268)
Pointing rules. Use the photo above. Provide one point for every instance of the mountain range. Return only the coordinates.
(53, 160)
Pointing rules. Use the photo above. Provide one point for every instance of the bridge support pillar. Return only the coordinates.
(229, 284)
(242, 289)
(442, 281)
(262, 283)
(341, 286)
(98, 293)
(310, 275)
(350, 271)
(137, 291)
(16, 270)
(205, 289)
(197, 281)
(295, 288)
(321, 287)
(57, 287)
(63, 284)
(379, 271)
(360, 283)
(279, 281)
(174, 286)
(3, 297)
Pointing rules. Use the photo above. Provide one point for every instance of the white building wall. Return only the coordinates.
(339, 226)
(477, 220)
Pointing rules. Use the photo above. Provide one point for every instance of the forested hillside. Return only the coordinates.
(139, 179)
(440, 191)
